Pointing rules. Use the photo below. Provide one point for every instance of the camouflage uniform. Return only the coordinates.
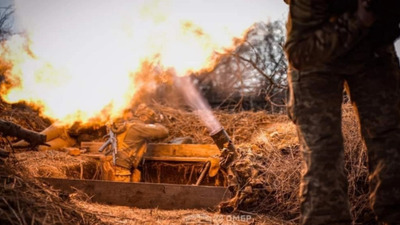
(131, 141)
(132, 137)
(328, 48)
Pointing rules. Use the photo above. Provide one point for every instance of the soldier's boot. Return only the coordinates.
(122, 174)
(136, 175)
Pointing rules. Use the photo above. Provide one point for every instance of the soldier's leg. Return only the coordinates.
(52, 132)
(58, 143)
(375, 93)
(138, 157)
(315, 107)
(112, 172)
(121, 171)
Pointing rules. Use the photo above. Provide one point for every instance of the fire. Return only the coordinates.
(77, 60)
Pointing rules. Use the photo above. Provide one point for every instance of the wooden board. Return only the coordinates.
(167, 150)
(91, 146)
(181, 150)
(177, 159)
(145, 195)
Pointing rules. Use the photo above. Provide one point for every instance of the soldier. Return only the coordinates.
(60, 136)
(332, 44)
(133, 132)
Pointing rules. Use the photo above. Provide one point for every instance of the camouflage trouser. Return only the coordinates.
(315, 106)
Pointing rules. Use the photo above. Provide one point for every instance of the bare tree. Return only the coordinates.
(250, 77)
(5, 22)
(5, 32)
(253, 76)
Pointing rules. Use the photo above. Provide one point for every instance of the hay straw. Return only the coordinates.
(55, 164)
(26, 201)
(268, 171)
(24, 116)
(269, 149)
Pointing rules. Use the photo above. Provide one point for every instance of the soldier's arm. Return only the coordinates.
(151, 131)
(317, 36)
(8, 128)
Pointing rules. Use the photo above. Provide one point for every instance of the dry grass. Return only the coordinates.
(242, 127)
(131, 215)
(267, 173)
(356, 165)
(24, 116)
(267, 176)
(27, 201)
(269, 167)
(24, 200)
(57, 164)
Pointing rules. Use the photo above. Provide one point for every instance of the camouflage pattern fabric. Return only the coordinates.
(131, 141)
(317, 35)
(326, 52)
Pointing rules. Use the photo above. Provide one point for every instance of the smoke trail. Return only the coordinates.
(198, 103)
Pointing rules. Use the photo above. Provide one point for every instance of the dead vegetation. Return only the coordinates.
(242, 127)
(265, 182)
(23, 115)
(128, 215)
(23, 199)
(356, 166)
(267, 174)
(26, 201)
(57, 164)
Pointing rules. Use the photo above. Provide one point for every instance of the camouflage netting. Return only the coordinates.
(265, 178)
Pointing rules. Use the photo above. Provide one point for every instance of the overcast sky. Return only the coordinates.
(274, 10)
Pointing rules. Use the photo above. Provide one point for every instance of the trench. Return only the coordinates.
(186, 173)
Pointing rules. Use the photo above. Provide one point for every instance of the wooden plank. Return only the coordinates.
(91, 146)
(98, 156)
(176, 159)
(161, 149)
(182, 150)
(145, 195)
(94, 155)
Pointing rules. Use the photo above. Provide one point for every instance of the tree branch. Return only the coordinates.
(254, 65)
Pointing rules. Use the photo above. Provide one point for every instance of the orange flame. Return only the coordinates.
(77, 60)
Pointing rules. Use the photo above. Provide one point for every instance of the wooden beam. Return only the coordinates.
(182, 150)
(176, 159)
(145, 195)
(91, 146)
(167, 150)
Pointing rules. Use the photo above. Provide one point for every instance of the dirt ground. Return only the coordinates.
(265, 188)
(61, 165)
(130, 215)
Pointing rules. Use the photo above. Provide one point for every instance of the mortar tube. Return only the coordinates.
(222, 139)
(224, 143)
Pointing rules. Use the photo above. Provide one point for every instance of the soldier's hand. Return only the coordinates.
(365, 14)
